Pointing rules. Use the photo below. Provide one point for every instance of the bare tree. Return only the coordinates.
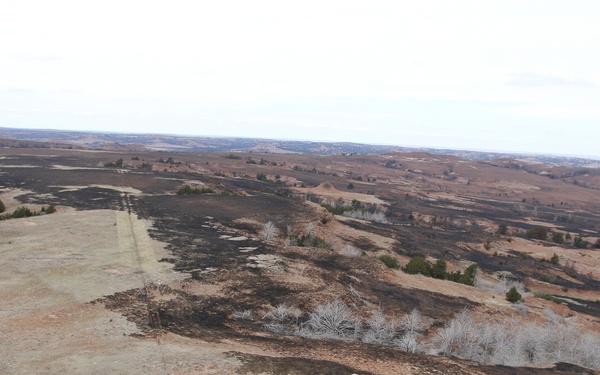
(269, 232)
(379, 329)
(282, 319)
(331, 320)
(511, 342)
(350, 250)
(310, 230)
(243, 314)
(412, 326)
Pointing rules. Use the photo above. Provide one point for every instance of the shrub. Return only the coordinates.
(552, 279)
(549, 297)
(468, 277)
(243, 314)
(438, 270)
(308, 240)
(513, 296)
(26, 212)
(350, 250)
(337, 209)
(117, 164)
(262, 177)
(509, 343)
(502, 228)
(282, 319)
(379, 329)
(554, 259)
(521, 308)
(538, 233)
(269, 231)
(378, 216)
(21, 212)
(2, 207)
(558, 237)
(331, 320)
(454, 276)
(579, 242)
(390, 261)
(503, 285)
(187, 190)
(411, 325)
(418, 265)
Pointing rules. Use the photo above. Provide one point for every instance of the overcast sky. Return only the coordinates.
(502, 75)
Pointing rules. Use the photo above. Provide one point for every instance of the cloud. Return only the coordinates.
(538, 80)
(18, 90)
(38, 58)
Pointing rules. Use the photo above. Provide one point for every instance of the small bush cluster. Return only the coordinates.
(513, 296)
(2, 207)
(308, 240)
(549, 297)
(269, 232)
(552, 279)
(335, 320)
(337, 209)
(312, 170)
(538, 233)
(187, 190)
(351, 251)
(579, 242)
(115, 164)
(502, 229)
(355, 210)
(390, 261)
(508, 342)
(418, 265)
(558, 237)
(377, 216)
(22, 211)
(262, 177)
(243, 314)
(503, 285)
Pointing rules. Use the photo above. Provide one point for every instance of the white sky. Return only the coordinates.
(505, 75)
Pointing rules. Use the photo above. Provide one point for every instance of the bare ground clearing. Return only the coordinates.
(52, 267)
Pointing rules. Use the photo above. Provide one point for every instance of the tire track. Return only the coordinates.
(153, 316)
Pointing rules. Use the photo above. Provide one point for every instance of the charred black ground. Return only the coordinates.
(198, 230)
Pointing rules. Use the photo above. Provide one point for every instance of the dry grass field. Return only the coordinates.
(127, 276)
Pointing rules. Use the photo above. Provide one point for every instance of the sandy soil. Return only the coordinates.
(47, 282)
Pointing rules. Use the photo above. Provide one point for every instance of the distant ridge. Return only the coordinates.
(181, 143)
